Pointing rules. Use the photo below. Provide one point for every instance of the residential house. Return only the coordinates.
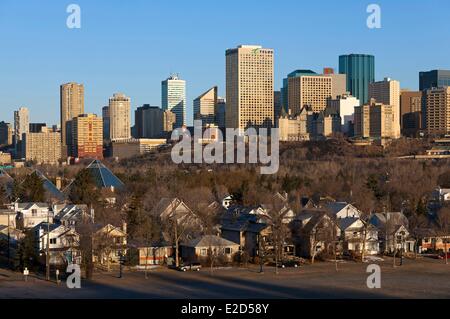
(204, 248)
(342, 210)
(393, 232)
(433, 241)
(156, 254)
(313, 232)
(248, 231)
(30, 215)
(355, 236)
(71, 215)
(110, 244)
(63, 243)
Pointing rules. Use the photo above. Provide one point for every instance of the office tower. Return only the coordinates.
(205, 107)
(119, 117)
(362, 121)
(72, 105)
(374, 120)
(345, 106)
(21, 126)
(249, 87)
(6, 134)
(277, 104)
(43, 147)
(106, 126)
(360, 71)
(339, 84)
(36, 127)
(388, 92)
(437, 105)
(285, 89)
(410, 112)
(309, 90)
(434, 79)
(173, 97)
(153, 122)
(220, 112)
(87, 137)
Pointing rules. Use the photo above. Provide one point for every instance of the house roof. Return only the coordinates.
(26, 206)
(396, 219)
(346, 223)
(210, 240)
(103, 177)
(51, 189)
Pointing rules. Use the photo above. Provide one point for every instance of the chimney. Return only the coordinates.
(124, 227)
(58, 183)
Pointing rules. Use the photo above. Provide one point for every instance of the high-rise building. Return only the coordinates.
(43, 147)
(173, 98)
(220, 112)
(437, 105)
(36, 127)
(374, 120)
(388, 92)
(72, 105)
(339, 86)
(87, 137)
(434, 79)
(345, 106)
(411, 112)
(360, 71)
(285, 89)
(6, 134)
(249, 87)
(119, 117)
(153, 122)
(309, 90)
(21, 126)
(277, 109)
(106, 126)
(205, 107)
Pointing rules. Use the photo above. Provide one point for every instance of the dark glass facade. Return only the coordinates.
(360, 70)
(434, 79)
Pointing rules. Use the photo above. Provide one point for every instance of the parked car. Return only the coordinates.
(442, 255)
(190, 267)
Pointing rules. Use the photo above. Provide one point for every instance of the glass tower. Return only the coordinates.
(360, 70)
(434, 79)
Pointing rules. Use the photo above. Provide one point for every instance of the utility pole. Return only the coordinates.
(9, 243)
(47, 256)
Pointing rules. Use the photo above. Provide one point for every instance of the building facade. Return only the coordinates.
(360, 71)
(106, 121)
(119, 117)
(411, 112)
(21, 126)
(205, 107)
(437, 105)
(6, 134)
(71, 105)
(312, 91)
(345, 106)
(434, 79)
(87, 137)
(153, 122)
(173, 98)
(249, 87)
(388, 92)
(220, 112)
(44, 147)
(374, 120)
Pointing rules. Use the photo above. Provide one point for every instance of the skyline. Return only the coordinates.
(134, 56)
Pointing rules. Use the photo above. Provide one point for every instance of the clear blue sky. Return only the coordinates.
(130, 46)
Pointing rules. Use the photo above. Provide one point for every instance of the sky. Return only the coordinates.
(131, 46)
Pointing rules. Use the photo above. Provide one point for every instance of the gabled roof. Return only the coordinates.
(50, 188)
(103, 177)
(346, 223)
(27, 206)
(210, 240)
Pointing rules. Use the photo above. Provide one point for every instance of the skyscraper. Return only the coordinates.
(285, 89)
(106, 126)
(345, 106)
(72, 105)
(434, 79)
(43, 147)
(410, 112)
(173, 98)
(153, 122)
(360, 70)
(205, 107)
(437, 102)
(388, 93)
(87, 137)
(220, 112)
(6, 134)
(249, 87)
(21, 126)
(119, 115)
(309, 90)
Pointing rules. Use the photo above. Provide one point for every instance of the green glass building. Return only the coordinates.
(360, 70)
